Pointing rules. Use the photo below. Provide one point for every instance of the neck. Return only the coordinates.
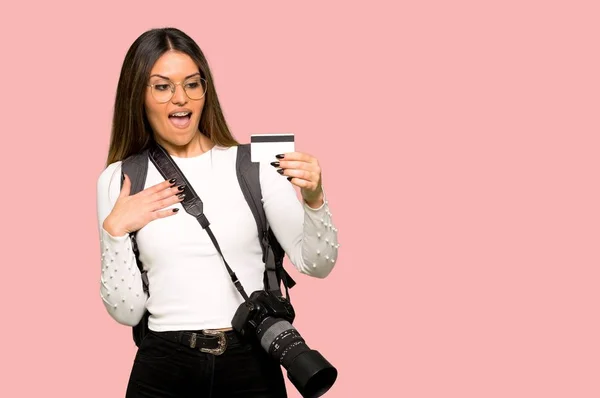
(196, 147)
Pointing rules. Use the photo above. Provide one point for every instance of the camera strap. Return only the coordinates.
(192, 203)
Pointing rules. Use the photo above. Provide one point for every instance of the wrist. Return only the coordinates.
(315, 201)
(112, 229)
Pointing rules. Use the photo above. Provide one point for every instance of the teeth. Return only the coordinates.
(180, 114)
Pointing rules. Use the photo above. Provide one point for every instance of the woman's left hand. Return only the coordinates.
(303, 171)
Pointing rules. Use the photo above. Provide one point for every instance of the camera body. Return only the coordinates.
(260, 305)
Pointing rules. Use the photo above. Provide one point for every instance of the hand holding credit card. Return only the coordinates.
(301, 169)
(264, 147)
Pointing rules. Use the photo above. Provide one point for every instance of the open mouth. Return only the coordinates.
(180, 119)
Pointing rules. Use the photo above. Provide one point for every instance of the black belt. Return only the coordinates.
(209, 341)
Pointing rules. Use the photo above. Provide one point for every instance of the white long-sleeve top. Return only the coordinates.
(189, 287)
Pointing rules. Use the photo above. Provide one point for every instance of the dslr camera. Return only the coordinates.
(268, 318)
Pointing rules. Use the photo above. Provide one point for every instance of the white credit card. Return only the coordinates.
(264, 147)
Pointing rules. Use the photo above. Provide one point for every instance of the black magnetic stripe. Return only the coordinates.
(272, 138)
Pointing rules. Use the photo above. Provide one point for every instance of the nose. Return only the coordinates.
(179, 96)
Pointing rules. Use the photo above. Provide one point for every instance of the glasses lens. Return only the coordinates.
(161, 90)
(195, 87)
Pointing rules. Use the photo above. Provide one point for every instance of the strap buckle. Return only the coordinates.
(222, 343)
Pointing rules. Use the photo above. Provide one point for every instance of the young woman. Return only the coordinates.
(166, 95)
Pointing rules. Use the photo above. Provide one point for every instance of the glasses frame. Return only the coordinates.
(173, 88)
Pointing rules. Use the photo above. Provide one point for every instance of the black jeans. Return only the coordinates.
(165, 369)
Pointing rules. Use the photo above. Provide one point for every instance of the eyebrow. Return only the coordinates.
(185, 78)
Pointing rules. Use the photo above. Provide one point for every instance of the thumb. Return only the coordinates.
(126, 188)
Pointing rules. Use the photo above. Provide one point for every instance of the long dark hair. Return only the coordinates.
(131, 131)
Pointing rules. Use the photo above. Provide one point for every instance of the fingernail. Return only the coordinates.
(275, 164)
(181, 187)
(172, 180)
(280, 171)
(175, 210)
(290, 178)
(280, 156)
(180, 195)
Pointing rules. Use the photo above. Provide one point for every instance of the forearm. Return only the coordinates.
(319, 247)
(121, 281)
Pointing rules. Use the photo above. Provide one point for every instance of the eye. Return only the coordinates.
(161, 87)
(192, 85)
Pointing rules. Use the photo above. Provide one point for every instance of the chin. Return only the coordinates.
(184, 137)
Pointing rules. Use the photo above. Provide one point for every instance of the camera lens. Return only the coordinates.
(310, 373)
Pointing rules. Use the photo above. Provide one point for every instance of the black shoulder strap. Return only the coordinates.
(136, 168)
(248, 174)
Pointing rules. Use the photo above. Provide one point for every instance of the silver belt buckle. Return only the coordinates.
(222, 342)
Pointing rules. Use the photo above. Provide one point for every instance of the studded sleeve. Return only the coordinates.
(120, 279)
(308, 236)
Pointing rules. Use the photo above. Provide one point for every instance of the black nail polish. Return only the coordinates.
(275, 164)
(172, 180)
(181, 187)
(181, 195)
(280, 171)
(290, 178)
(280, 156)
(175, 210)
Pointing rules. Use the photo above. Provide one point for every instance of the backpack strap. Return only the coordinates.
(136, 168)
(248, 174)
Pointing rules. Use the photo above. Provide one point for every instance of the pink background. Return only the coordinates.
(459, 144)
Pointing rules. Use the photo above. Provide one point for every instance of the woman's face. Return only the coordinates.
(179, 129)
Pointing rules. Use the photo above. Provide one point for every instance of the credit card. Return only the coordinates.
(264, 147)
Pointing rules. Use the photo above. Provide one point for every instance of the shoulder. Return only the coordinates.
(109, 176)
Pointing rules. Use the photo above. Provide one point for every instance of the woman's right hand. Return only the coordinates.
(131, 213)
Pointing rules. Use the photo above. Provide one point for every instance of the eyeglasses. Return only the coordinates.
(163, 89)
